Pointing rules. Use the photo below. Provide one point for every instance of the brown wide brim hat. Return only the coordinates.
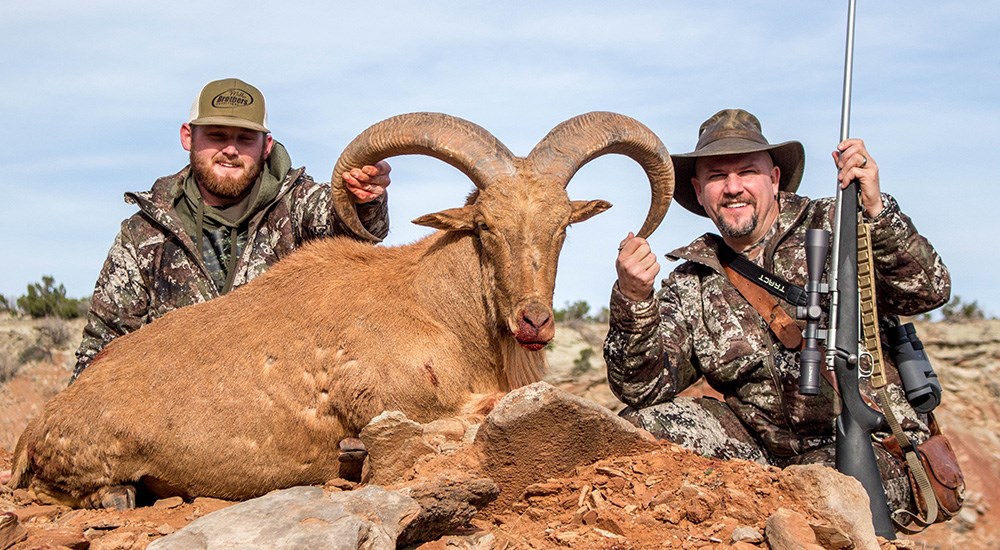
(734, 132)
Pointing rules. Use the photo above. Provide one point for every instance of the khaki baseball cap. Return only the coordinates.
(230, 102)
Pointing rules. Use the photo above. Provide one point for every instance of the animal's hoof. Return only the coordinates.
(120, 497)
(352, 449)
(352, 458)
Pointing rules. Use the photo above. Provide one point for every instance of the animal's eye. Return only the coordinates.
(482, 227)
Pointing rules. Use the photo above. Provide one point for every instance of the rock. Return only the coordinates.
(475, 541)
(967, 518)
(207, 505)
(699, 504)
(120, 540)
(167, 503)
(394, 444)
(838, 498)
(44, 511)
(301, 517)
(447, 503)
(55, 538)
(539, 432)
(446, 434)
(11, 530)
(745, 533)
(790, 530)
(831, 538)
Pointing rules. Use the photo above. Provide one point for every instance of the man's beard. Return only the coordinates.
(230, 187)
(738, 232)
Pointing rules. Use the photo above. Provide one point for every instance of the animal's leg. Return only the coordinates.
(119, 497)
(47, 493)
(352, 458)
(482, 403)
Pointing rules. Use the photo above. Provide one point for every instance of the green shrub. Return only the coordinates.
(573, 311)
(34, 353)
(582, 363)
(580, 311)
(45, 299)
(957, 310)
(603, 316)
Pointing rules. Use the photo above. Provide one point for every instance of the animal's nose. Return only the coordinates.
(537, 315)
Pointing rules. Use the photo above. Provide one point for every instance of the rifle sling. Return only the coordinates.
(780, 323)
(775, 285)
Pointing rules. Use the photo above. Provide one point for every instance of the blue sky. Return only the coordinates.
(94, 92)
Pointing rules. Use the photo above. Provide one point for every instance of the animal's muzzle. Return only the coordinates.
(535, 326)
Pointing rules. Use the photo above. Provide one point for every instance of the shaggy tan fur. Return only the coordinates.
(252, 392)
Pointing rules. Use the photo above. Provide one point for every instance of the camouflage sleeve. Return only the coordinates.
(119, 305)
(318, 218)
(649, 348)
(911, 278)
(375, 216)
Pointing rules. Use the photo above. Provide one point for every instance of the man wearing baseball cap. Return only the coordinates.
(236, 209)
(699, 324)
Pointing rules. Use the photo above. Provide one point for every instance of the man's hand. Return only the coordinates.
(855, 163)
(637, 268)
(368, 182)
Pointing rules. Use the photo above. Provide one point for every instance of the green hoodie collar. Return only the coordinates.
(192, 209)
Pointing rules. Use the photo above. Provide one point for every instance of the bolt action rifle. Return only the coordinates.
(856, 423)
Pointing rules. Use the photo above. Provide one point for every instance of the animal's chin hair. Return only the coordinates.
(521, 366)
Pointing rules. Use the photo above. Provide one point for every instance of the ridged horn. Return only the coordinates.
(583, 138)
(460, 143)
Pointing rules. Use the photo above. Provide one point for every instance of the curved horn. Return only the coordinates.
(460, 143)
(585, 137)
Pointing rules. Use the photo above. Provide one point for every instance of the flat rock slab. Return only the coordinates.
(301, 517)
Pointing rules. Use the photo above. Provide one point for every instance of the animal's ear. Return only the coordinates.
(584, 210)
(452, 219)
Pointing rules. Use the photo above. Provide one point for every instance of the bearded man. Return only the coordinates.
(700, 325)
(235, 210)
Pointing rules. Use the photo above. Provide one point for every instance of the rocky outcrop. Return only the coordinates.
(552, 466)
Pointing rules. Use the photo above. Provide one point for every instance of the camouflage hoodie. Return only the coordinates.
(154, 266)
(698, 324)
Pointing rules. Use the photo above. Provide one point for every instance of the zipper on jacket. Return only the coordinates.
(254, 224)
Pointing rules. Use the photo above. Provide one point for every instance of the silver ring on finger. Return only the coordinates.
(864, 162)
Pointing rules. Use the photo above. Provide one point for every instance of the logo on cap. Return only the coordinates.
(231, 99)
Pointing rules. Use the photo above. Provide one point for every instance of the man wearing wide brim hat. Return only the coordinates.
(735, 132)
(700, 325)
(237, 208)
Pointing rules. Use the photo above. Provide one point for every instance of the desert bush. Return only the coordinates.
(45, 299)
(602, 316)
(34, 353)
(958, 311)
(54, 332)
(577, 310)
(8, 368)
(580, 311)
(582, 363)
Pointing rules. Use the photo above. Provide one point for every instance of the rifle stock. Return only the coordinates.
(857, 421)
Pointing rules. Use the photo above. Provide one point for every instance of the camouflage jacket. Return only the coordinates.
(698, 324)
(154, 266)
